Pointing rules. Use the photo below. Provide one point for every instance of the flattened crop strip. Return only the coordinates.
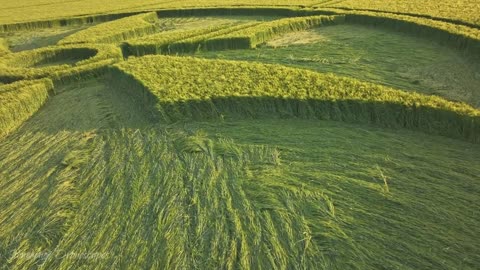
(464, 12)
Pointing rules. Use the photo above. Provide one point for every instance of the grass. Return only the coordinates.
(375, 55)
(116, 192)
(167, 162)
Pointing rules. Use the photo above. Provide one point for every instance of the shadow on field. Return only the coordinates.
(86, 106)
(107, 104)
(426, 119)
(35, 42)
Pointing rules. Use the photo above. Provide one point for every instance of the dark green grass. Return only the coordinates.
(374, 55)
(88, 182)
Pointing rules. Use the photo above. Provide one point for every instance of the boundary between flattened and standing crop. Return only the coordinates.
(200, 89)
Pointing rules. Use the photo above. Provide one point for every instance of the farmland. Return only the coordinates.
(407, 63)
(239, 134)
(463, 11)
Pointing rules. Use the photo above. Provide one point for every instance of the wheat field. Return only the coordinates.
(224, 134)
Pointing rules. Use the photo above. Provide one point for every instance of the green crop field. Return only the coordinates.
(221, 134)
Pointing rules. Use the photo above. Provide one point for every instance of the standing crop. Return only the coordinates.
(20, 100)
(3, 47)
(191, 88)
(116, 31)
(48, 62)
(252, 36)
